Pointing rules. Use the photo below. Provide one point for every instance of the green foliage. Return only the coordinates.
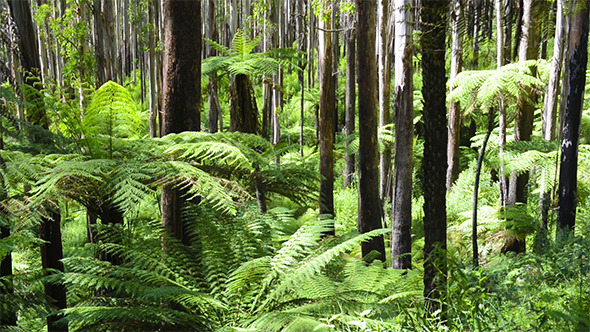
(239, 59)
(483, 88)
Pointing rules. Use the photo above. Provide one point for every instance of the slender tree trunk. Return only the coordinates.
(500, 60)
(550, 110)
(214, 107)
(434, 17)
(153, 124)
(301, 39)
(401, 238)
(384, 58)
(482, 153)
(454, 107)
(369, 208)
(350, 107)
(181, 92)
(568, 170)
(523, 128)
(326, 121)
(99, 49)
(51, 256)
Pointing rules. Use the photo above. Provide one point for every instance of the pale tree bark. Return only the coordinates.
(350, 103)
(529, 47)
(401, 238)
(500, 60)
(153, 124)
(301, 40)
(327, 113)
(384, 60)
(578, 60)
(214, 108)
(369, 208)
(454, 107)
(550, 109)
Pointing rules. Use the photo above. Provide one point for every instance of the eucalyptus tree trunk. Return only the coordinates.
(500, 60)
(434, 18)
(350, 103)
(301, 28)
(181, 92)
(214, 108)
(99, 47)
(523, 128)
(267, 88)
(578, 60)
(51, 256)
(476, 32)
(153, 124)
(454, 107)
(384, 59)
(550, 109)
(326, 121)
(369, 206)
(401, 237)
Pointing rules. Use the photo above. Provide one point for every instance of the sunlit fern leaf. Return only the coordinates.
(484, 87)
(311, 266)
(112, 113)
(207, 152)
(196, 182)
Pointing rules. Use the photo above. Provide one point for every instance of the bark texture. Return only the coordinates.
(578, 60)
(327, 115)
(401, 238)
(523, 128)
(181, 106)
(369, 208)
(350, 103)
(243, 110)
(51, 256)
(434, 17)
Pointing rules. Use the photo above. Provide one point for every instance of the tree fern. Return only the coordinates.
(483, 88)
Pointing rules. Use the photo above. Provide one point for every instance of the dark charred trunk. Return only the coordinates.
(8, 317)
(578, 59)
(476, 188)
(434, 17)
(243, 110)
(181, 92)
(51, 256)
